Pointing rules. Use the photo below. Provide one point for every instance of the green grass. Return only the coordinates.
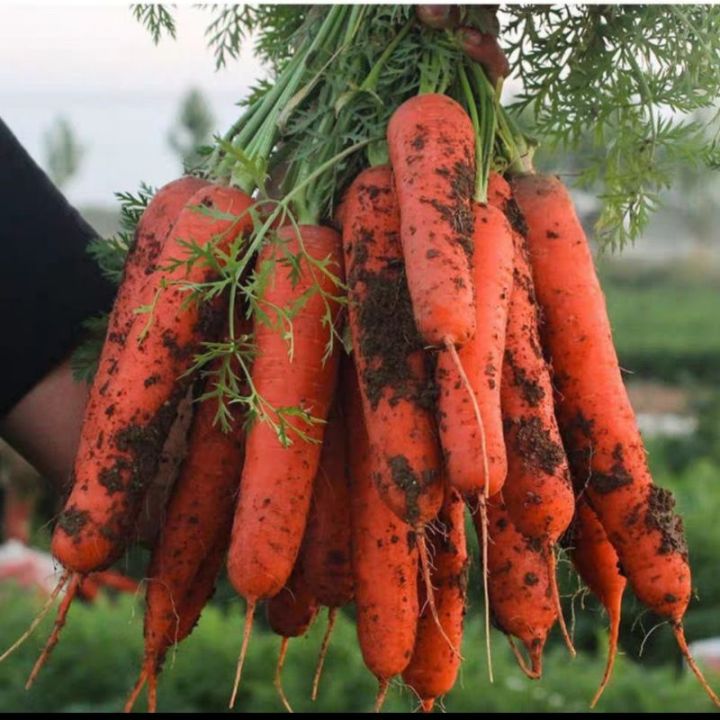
(665, 321)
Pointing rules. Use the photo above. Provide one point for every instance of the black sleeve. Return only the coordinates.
(48, 282)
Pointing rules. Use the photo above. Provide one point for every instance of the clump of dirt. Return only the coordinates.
(409, 483)
(515, 216)
(388, 334)
(531, 579)
(72, 520)
(530, 389)
(661, 516)
(617, 477)
(535, 446)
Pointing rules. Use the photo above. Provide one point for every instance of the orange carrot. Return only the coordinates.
(385, 559)
(432, 152)
(598, 422)
(538, 492)
(476, 460)
(596, 561)
(139, 400)
(521, 598)
(198, 518)
(434, 665)
(396, 392)
(277, 479)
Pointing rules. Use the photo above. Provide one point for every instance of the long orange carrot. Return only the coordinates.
(139, 400)
(432, 152)
(434, 664)
(198, 518)
(277, 479)
(385, 559)
(596, 417)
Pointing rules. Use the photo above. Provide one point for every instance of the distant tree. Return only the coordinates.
(63, 152)
(192, 129)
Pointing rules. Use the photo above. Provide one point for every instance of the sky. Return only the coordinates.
(98, 67)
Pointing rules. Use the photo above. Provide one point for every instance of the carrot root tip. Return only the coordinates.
(247, 631)
(682, 644)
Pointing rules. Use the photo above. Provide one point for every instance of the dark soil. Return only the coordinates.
(661, 516)
(617, 477)
(534, 444)
(530, 389)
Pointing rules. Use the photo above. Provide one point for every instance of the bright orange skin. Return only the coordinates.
(521, 599)
(385, 557)
(121, 441)
(327, 566)
(481, 358)
(198, 517)
(434, 666)
(538, 492)
(394, 382)
(597, 420)
(276, 484)
(432, 152)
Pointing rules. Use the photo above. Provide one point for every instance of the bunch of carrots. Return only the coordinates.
(481, 377)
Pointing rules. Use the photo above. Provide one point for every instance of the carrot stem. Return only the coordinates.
(614, 613)
(137, 688)
(429, 590)
(277, 681)
(682, 644)
(52, 641)
(247, 631)
(533, 673)
(381, 695)
(556, 599)
(38, 618)
(332, 616)
(482, 509)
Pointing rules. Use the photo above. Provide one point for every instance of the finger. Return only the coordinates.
(438, 17)
(483, 48)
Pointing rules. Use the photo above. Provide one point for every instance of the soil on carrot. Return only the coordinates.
(661, 516)
(617, 477)
(530, 389)
(388, 334)
(515, 217)
(411, 483)
(534, 444)
(72, 521)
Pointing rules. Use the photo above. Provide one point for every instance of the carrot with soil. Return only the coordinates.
(538, 492)
(395, 386)
(596, 562)
(384, 556)
(521, 594)
(277, 477)
(434, 666)
(597, 420)
(431, 141)
(139, 400)
(198, 518)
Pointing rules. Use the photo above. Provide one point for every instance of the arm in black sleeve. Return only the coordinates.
(48, 282)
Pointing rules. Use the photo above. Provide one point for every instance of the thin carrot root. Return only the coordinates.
(152, 691)
(44, 610)
(277, 681)
(482, 509)
(381, 695)
(429, 591)
(427, 705)
(332, 616)
(247, 631)
(533, 672)
(137, 689)
(612, 653)
(60, 619)
(682, 644)
(556, 599)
